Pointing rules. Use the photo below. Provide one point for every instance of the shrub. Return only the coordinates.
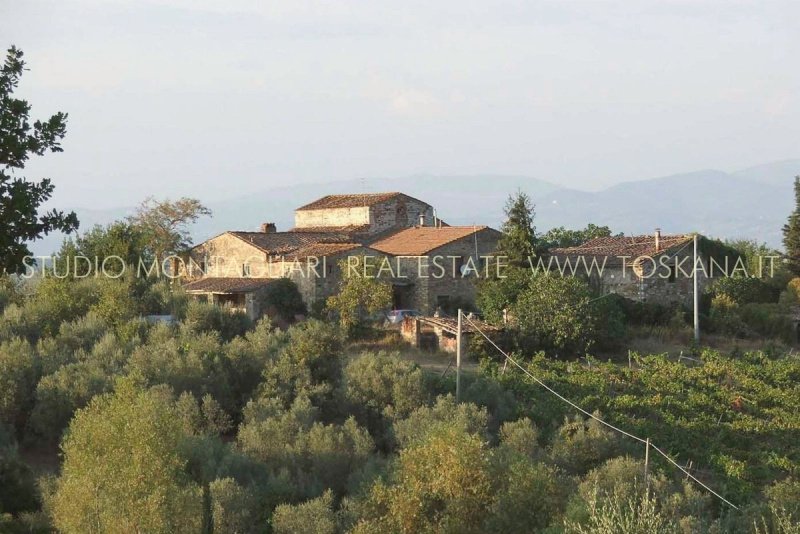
(204, 317)
(582, 444)
(553, 314)
(381, 387)
(442, 483)
(609, 323)
(19, 373)
(313, 455)
(60, 394)
(465, 417)
(361, 293)
(310, 364)
(495, 295)
(614, 514)
(770, 321)
(233, 507)
(281, 299)
(315, 516)
(744, 290)
(124, 468)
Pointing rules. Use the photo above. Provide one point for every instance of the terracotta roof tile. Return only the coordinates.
(227, 285)
(349, 201)
(348, 229)
(616, 246)
(420, 240)
(319, 250)
(281, 243)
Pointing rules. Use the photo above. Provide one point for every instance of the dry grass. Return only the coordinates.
(661, 340)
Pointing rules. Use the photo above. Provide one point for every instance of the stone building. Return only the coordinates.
(437, 266)
(363, 215)
(653, 268)
(232, 268)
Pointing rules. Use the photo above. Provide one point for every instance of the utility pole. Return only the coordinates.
(647, 468)
(696, 296)
(458, 357)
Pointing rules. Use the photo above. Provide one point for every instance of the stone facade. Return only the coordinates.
(332, 217)
(393, 211)
(652, 268)
(338, 226)
(436, 280)
(659, 287)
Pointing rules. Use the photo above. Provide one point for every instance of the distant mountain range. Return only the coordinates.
(751, 203)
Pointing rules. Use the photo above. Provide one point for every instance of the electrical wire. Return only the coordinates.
(599, 420)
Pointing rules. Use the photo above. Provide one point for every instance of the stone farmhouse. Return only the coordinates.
(655, 268)
(431, 263)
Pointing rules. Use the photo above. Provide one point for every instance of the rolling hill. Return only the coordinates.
(751, 203)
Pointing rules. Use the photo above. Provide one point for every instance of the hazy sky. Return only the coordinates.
(218, 98)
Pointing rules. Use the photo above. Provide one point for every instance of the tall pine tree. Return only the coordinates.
(791, 232)
(519, 234)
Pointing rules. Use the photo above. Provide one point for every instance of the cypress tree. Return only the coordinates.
(519, 234)
(791, 233)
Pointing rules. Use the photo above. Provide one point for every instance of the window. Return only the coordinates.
(245, 269)
(442, 301)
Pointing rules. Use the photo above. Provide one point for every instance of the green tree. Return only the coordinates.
(518, 242)
(382, 387)
(119, 239)
(124, 468)
(361, 293)
(60, 394)
(497, 295)
(20, 199)
(443, 483)
(553, 313)
(791, 232)
(293, 443)
(316, 516)
(561, 237)
(19, 372)
(165, 224)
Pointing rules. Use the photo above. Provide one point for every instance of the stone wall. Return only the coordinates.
(400, 211)
(657, 288)
(435, 280)
(227, 256)
(315, 288)
(332, 217)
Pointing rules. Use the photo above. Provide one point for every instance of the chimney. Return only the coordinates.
(658, 239)
(268, 228)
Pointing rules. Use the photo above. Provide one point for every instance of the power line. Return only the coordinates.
(599, 420)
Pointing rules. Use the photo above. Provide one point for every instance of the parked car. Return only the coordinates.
(397, 316)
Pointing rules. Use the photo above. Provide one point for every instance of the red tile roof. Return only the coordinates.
(282, 243)
(420, 240)
(616, 246)
(350, 201)
(348, 229)
(319, 250)
(227, 285)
